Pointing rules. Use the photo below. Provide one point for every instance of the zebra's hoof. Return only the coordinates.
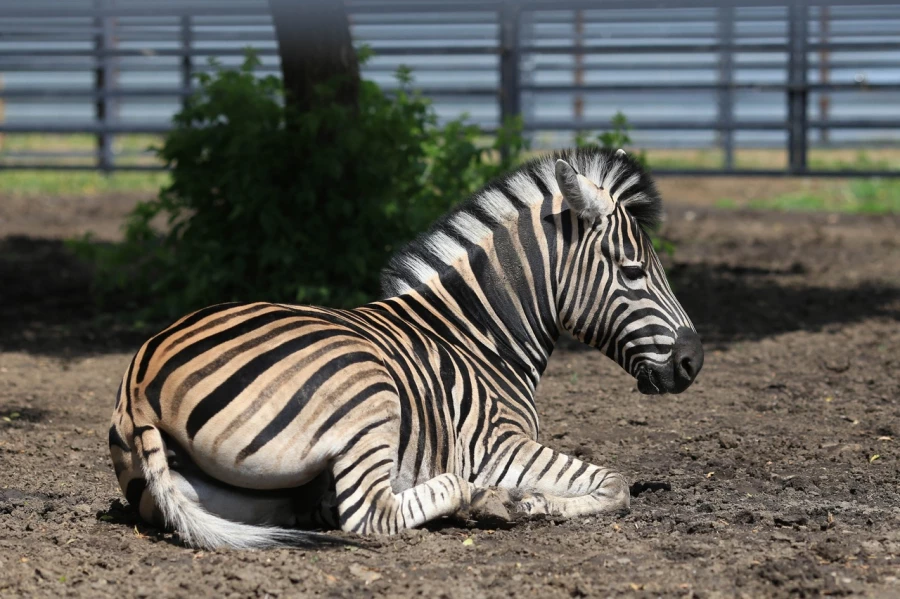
(490, 505)
(533, 505)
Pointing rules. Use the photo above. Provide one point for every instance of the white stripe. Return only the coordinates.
(469, 227)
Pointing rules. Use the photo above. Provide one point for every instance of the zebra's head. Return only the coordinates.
(615, 295)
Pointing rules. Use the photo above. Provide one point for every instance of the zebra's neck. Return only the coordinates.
(499, 295)
(495, 263)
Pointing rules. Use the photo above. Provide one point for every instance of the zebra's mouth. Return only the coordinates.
(647, 383)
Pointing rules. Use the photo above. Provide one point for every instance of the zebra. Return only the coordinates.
(249, 424)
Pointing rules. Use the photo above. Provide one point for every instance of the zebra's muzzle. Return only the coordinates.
(679, 372)
(646, 382)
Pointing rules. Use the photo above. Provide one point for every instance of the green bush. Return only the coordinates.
(616, 138)
(268, 204)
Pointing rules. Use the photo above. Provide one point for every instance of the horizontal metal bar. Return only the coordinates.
(427, 18)
(707, 47)
(712, 86)
(452, 50)
(79, 167)
(13, 155)
(162, 92)
(132, 36)
(566, 125)
(422, 7)
(63, 92)
(843, 174)
(94, 128)
(597, 15)
(143, 52)
(555, 5)
(572, 125)
(660, 172)
(62, 10)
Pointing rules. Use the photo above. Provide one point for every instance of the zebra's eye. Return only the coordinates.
(632, 272)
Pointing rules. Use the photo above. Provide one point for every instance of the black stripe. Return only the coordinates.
(407, 405)
(348, 406)
(349, 491)
(510, 461)
(579, 472)
(299, 400)
(553, 457)
(152, 392)
(339, 475)
(127, 385)
(348, 512)
(562, 470)
(528, 466)
(134, 491)
(116, 440)
(140, 430)
(222, 396)
(188, 322)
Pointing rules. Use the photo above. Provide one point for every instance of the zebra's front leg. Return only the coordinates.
(366, 502)
(550, 482)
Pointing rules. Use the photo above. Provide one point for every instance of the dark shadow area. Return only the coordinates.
(649, 486)
(46, 305)
(23, 414)
(730, 304)
(123, 514)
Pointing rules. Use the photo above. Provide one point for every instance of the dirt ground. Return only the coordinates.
(776, 474)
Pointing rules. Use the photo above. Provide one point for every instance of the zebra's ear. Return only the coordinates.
(620, 152)
(583, 195)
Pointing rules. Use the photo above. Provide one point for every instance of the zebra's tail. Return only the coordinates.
(198, 527)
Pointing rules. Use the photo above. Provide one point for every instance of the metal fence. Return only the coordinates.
(724, 74)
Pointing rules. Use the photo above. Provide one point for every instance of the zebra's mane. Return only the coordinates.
(501, 199)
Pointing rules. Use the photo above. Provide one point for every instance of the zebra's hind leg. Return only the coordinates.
(368, 504)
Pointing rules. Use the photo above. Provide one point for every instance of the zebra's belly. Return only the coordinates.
(279, 466)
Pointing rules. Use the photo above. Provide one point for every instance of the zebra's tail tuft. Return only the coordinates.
(199, 528)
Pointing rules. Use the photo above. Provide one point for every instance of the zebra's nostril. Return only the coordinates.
(688, 367)
(688, 356)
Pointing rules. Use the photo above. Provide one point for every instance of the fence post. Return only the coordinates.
(2, 112)
(824, 70)
(104, 82)
(798, 118)
(187, 67)
(726, 78)
(510, 93)
(578, 75)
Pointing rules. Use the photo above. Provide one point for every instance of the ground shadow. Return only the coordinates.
(46, 304)
(730, 304)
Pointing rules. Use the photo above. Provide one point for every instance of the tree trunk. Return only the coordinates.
(315, 47)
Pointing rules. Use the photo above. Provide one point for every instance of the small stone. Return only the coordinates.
(367, 575)
(728, 441)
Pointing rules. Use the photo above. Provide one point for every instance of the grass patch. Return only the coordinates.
(78, 183)
(874, 195)
(76, 142)
(862, 196)
(24, 149)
